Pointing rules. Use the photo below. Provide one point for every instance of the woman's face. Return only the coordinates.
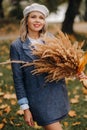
(36, 21)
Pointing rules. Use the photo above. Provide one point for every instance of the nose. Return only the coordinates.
(37, 19)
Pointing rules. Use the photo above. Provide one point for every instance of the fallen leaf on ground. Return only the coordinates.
(7, 109)
(3, 106)
(76, 123)
(36, 126)
(9, 96)
(1, 74)
(20, 112)
(85, 116)
(13, 102)
(72, 113)
(1, 125)
(66, 124)
(4, 120)
(84, 91)
(0, 113)
(1, 93)
(74, 100)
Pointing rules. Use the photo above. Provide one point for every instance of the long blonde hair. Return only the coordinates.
(24, 29)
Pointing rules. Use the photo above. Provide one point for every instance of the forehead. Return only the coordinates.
(36, 13)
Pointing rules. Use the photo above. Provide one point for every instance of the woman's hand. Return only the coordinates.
(83, 78)
(28, 117)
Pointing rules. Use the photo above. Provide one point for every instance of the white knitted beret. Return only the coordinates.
(36, 7)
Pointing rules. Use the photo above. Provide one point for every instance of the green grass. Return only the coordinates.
(12, 121)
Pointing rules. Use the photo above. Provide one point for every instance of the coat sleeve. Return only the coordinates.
(17, 73)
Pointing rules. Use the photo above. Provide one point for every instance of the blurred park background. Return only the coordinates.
(71, 17)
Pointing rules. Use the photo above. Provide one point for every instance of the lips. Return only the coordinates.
(36, 25)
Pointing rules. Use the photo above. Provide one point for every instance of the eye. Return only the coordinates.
(33, 16)
(41, 17)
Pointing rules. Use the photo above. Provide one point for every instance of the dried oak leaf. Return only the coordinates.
(72, 113)
(7, 109)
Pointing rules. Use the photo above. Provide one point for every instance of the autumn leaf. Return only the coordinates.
(1, 125)
(4, 120)
(85, 116)
(11, 120)
(13, 102)
(13, 123)
(18, 124)
(36, 126)
(72, 113)
(84, 90)
(0, 113)
(1, 93)
(3, 106)
(8, 67)
(0, 100)
(20, 112)
(9, 96)
(74, 100)
(1, 74)
(76, 123)
(7, 109)
(66, 124)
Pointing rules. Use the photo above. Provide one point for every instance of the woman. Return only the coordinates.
(46, 103)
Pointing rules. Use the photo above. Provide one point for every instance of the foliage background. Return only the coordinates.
(11, 117)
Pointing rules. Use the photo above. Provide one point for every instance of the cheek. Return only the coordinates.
(43, 23)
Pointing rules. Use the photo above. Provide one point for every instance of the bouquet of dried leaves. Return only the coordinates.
(59, 58)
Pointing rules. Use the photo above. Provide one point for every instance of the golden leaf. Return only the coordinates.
(82, 62)
(84, 90)
(66, 124)
(1, 125)
(74, 100)
(1, 101)
(9, 96)
(1, 93)
(1, 74)
(76, 123)
(3, 106)
(18, 124)
(36, 126)
(7, 109)
(72, 113)
(85, 116)
(20, 112)
(8, 67)
(13, 102)
(4, 120)
(0, 113)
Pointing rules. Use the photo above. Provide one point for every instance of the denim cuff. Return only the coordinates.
(22, 101)
(24, 106)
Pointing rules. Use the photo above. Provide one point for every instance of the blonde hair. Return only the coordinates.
(24, 29)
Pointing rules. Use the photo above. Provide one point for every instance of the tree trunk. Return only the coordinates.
(71, 12)
(1, 10)
(85, 15)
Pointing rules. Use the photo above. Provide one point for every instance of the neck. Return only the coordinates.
(34, 35)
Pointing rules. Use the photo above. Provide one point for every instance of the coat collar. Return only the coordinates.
(27, 49)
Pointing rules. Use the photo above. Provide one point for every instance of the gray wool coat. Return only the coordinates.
(48, 101)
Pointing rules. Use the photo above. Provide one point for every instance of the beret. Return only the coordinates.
(36, 7)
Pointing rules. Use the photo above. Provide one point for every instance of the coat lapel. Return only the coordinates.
(27, 49)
